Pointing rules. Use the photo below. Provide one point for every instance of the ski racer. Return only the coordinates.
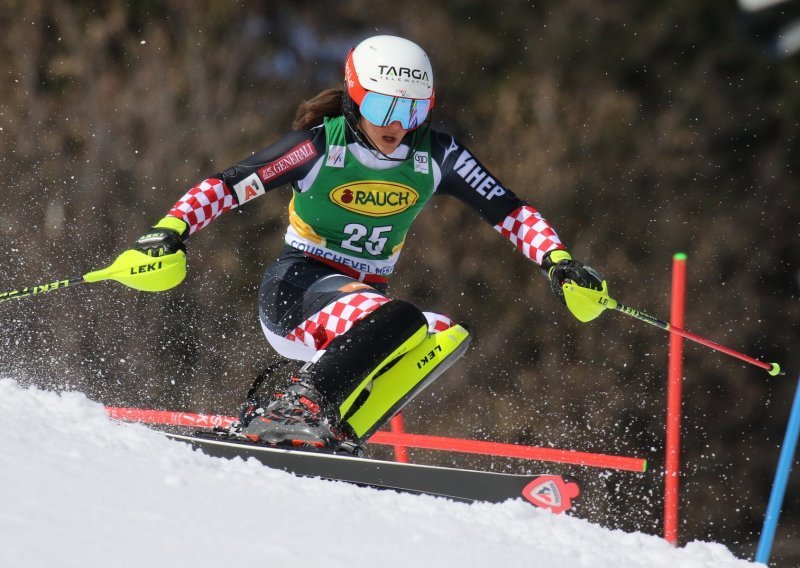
(362, 162)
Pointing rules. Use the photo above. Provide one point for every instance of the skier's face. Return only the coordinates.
(385, 138)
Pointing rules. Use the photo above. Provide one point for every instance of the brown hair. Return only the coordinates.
(311, 112)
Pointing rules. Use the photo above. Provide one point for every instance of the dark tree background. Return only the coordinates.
(640, 129)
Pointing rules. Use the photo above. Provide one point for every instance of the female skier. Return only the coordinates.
(362, 162)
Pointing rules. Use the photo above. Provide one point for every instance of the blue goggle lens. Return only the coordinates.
(382, 110)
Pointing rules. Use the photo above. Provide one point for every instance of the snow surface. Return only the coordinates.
(79, 489)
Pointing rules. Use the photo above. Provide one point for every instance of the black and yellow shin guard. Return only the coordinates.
(369, 373)
(395, 385)
(350, 360)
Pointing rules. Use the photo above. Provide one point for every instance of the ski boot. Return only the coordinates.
(296, 417)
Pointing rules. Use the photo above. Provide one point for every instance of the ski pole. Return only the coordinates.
(132, 268)
(39, 289)
(782, 473)
(587, 304)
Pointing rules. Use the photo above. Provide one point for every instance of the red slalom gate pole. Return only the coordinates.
(169, 417)
(511, 451)
(172, 418)
(674, 398)
(397, 427)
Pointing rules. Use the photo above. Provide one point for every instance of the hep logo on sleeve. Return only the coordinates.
(468, 168)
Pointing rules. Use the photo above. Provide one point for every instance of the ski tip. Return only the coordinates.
(775, 370)
(644, 466)
(552, 492)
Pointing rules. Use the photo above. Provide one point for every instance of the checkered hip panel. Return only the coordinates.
(339, 316)
(335, 319)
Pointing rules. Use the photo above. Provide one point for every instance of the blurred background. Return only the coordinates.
(639, 129)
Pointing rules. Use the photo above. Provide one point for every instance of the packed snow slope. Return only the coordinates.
(80, 490)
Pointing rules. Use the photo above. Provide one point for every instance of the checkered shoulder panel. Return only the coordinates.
(203, 203)
(530, 233)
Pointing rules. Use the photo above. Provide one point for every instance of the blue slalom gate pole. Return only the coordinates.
(781, 480)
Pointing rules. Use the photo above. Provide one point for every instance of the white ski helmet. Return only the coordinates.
(389, 65)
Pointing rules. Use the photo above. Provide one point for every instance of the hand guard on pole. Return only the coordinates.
(164, 245)
(561, 268)
(156, 263)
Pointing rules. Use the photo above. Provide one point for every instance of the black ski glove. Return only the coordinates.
(166, 237)
(560, 268)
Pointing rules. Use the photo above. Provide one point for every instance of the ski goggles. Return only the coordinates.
(382, 110)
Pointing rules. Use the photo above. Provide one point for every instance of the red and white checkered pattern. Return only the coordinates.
(335, 319)
(530, 233)
(438, 322)
(339, 316)
(203, 203)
